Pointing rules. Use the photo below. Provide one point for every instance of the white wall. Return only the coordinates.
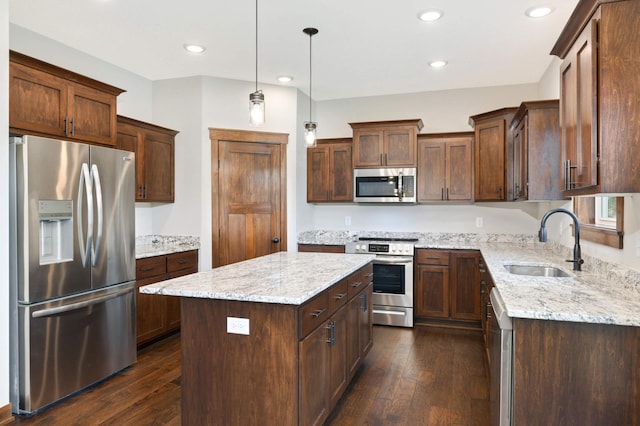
(192, 106)
(442, 111)
(4, 203)
(135, 102)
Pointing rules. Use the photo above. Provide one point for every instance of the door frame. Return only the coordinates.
(231, 135)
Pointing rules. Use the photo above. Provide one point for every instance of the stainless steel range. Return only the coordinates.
(392, 278)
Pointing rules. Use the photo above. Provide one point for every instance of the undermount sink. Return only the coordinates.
(536, 270)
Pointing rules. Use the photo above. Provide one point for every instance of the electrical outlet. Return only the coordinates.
(238, 325)
(479, 222)
(347, 220)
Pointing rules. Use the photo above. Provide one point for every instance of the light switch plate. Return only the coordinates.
(238, 325)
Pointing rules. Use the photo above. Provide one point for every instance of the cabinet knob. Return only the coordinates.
(275, 240)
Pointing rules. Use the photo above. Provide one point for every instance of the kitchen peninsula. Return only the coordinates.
(275, 339)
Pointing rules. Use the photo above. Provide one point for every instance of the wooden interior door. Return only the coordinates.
(248, 195)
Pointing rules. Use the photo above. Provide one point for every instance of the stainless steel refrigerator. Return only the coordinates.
(72, 295)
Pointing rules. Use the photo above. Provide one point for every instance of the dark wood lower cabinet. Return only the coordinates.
(291, 369)
(156, 315)
(576, 373)
(447, 286)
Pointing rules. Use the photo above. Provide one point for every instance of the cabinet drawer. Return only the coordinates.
(180, 261)
(338, 296)
(432, 257)
(150, 267)
(360, 280)
(314, 313)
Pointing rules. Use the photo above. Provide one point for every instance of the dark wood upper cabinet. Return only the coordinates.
(385, 143)
(445, 167)
(600, 98)
(536, 151)
(493, 152)
(155, 153)
(330, 171)
(49, 101)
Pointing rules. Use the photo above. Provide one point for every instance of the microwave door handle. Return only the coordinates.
(400, 178)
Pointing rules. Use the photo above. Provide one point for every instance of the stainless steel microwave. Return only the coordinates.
(384, 185)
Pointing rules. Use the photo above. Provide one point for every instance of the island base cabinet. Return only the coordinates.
(568, 373)
(236, 379)
(289, 368)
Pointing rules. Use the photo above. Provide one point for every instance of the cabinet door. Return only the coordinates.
(314, 362)
(368, 148)
(579, 112)
(178, 265)
(400, 147)
(489, 161)
(157, 158)
(465, 285)
(431, 170)
(150, 312)
(37, 101)
(459, 169)
(366, 320)
(432, 291)
(340, 173)
(338, 356)
(318, 174)
(92, 115)
(520, 149)
(353, 335)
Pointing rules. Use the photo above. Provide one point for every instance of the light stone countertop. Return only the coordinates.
(158, 245)
(603, 293)
(285, 278)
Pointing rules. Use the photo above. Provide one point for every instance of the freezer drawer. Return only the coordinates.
(70, 343)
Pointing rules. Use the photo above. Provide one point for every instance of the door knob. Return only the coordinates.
(276, 240)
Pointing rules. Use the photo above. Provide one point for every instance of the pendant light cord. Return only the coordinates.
(256, 45)
(310, 76)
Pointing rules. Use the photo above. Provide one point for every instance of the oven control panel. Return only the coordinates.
(397, 249)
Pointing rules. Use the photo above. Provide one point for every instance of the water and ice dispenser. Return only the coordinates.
(56, 231)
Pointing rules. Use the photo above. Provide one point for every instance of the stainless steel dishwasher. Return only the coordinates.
(501, 362)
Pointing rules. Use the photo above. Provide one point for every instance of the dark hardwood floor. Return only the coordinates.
(420, 376)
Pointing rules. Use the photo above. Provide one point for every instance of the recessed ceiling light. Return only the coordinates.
(430, 15)
(285, 78)
(538, 11)
(194, 48)
(437, 64)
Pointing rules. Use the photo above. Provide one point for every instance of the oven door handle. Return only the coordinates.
(393, 260)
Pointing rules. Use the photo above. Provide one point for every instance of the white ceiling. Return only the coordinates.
(364, 47)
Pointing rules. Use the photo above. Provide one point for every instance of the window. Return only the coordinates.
(601, 219)
(605, 214)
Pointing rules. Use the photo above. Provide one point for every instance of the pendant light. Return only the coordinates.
(310, 126)
(256, 99)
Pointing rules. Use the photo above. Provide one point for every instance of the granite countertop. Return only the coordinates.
(158, 245)
(602, 293)
(285, 278)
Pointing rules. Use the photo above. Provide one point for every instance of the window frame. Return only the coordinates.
(590, 230)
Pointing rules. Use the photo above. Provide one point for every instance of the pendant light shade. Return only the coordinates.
(310, 127)
(256, 108)
(256, 99)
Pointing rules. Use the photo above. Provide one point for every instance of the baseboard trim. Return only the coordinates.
(6, 418)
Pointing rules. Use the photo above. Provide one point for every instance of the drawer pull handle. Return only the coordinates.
(340, 296)
(147, 269)
(370, 274)
(356, 284)
(318, 312)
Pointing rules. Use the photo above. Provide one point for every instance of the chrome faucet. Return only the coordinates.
(542, 235)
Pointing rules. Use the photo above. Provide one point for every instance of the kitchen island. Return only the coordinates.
(272, 340)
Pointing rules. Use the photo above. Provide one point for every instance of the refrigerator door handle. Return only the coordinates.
(79, 305)
(95, 249)
(85, 183)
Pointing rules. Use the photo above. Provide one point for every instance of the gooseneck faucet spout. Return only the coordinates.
(577, 254)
